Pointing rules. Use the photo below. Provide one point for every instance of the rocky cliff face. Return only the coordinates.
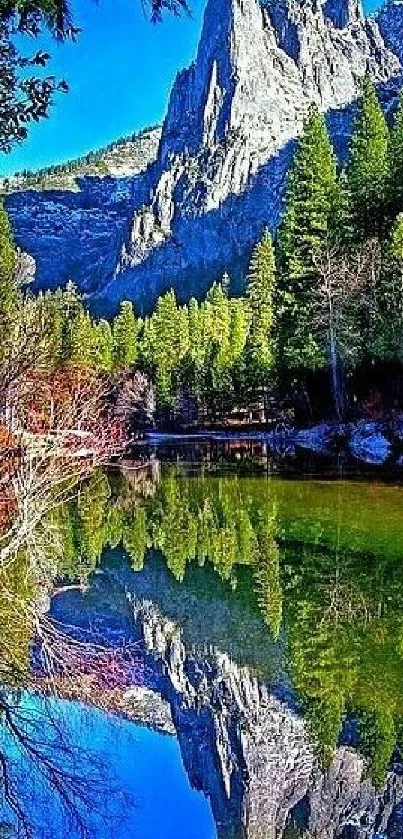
(243, 742)
(225, 148)
(390, 22)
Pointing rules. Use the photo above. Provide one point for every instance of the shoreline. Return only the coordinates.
(367, 442)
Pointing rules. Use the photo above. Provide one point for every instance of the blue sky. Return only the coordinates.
(120, 72)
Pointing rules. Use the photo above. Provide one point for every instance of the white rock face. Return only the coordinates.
(225, 148)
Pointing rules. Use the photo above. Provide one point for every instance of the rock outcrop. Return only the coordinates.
(224, 151)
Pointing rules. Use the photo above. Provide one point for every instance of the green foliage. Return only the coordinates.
(114, 525)
(124, 337)
(377, 740)
(17, 597)
(135, 538)
(318, 560)
(9, 292)
(71, 308)
(387, 339)
(81, 340)
(317, 302)
(103, 349)
(164, 339)
(306, 229)
(312, 192)
(368, 167)
(396, 162)
(259, 295)
(92, 519)
(268, 585)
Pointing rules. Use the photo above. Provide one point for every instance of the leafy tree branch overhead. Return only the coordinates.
(25, 92)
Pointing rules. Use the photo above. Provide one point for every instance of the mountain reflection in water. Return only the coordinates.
(267, 616)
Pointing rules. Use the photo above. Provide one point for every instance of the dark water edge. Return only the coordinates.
(321, 451)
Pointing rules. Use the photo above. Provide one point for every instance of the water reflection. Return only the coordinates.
(267, 616)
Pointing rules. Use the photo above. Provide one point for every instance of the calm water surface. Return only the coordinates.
(267, 617)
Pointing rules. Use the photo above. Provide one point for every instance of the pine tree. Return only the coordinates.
(396, 161)
(147, 342)
(196, 348)
(387, 341)
(311, 197)
(9, 292)
(220, 321)
(125, 331)
(183, 338)
(267, 574)
(114, 525)
(81, 338)
(92, 508)
(135, 537)
(103, 346)
(192, 363)
(312, 200)
(194, 317)
(165, 329)
(218, 356)
(259, 295)
(368, 166)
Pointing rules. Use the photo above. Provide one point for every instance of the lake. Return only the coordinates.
(262, 696)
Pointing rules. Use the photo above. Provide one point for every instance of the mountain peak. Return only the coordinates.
(260, 65)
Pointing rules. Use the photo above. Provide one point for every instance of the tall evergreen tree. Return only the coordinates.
(368, 166)
(147, 342)
(165, 331)
(396, 161)
(217, 315)
(239, 328)
(103, 346)
(81, 353)
(387, 340)
(92, 506)
(313, 193)
(125, 337)
(53, 324)
(259, 294)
